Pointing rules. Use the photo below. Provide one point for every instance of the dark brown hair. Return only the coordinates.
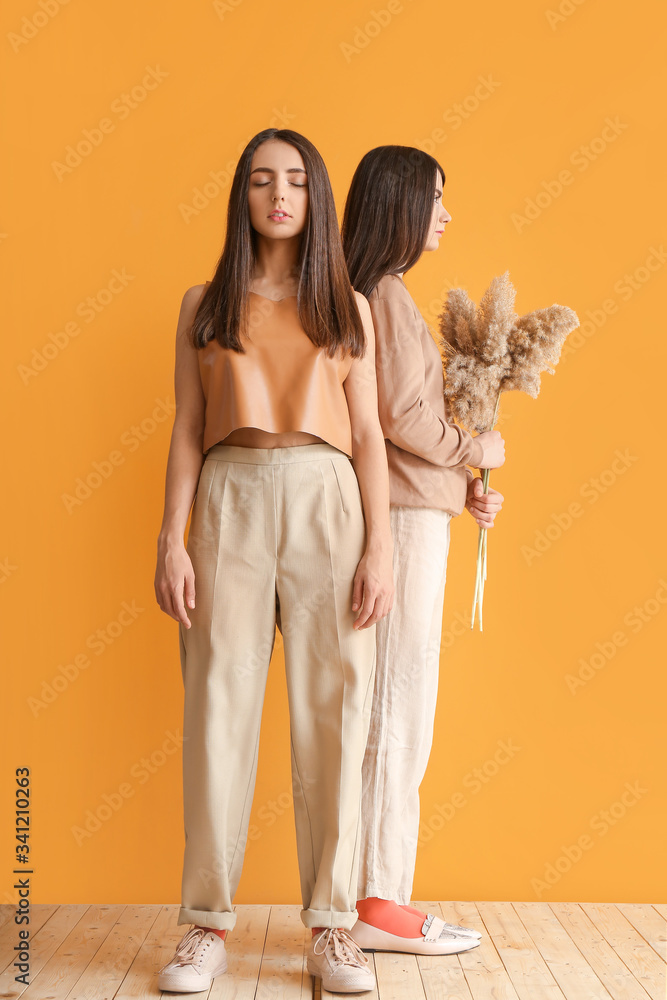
(388, 213)
(326, 302)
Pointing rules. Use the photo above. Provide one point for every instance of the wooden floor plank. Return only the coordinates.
(140, 980)
(442, 975)
(245, 948)
(528, 951)
(484, 971)
(107, 968)
(49, 925)
(7, 911)
(398, 976)
(9, 932)
(9, 929)
(69, 960)
(603, 960)
(576, 978)
(282, 975)
(647, 967)
(650, 924)
(531, 977)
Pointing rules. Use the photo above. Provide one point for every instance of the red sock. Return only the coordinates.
(390, 917)
(214, 930)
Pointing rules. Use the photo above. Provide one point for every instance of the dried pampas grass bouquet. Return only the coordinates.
(488, 349)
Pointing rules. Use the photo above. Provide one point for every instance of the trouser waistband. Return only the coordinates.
(274, 456)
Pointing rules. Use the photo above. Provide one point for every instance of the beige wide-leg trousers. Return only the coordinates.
(404, 700)
(276, 535)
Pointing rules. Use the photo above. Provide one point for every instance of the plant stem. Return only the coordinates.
(480, 574)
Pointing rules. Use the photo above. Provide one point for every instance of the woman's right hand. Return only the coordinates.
(493, 444)
(174, 580)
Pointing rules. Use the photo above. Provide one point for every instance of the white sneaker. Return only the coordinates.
(337, 959)
(200, 955)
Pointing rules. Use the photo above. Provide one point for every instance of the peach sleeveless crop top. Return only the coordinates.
(282, 383)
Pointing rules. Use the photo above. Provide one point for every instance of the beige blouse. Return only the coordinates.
(282, 383)
(426, 451)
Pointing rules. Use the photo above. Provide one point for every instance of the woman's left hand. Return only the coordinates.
(373, 590)
(483, 506)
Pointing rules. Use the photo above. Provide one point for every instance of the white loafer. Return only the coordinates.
(436, 940)
(457, 928)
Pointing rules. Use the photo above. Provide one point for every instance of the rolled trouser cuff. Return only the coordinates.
(222, 921)
(329, 918)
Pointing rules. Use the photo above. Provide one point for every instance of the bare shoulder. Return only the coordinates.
(192, 297)
(189, 303)
(362, 305)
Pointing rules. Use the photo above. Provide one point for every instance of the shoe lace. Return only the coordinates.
(345, 949)
(186, 952)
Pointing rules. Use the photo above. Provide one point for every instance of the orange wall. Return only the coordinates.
(507, 98)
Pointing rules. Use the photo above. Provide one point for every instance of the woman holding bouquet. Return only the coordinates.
(394, 213)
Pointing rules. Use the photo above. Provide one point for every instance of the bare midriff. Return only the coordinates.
(253, 437)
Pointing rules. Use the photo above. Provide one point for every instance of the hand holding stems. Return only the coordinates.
(482, 506)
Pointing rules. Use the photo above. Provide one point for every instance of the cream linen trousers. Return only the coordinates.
(275, 537)
(404, 699)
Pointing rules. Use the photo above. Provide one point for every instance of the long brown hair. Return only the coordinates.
(326, 302)
(388, 213)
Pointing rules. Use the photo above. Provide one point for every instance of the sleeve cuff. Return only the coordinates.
(477, 453)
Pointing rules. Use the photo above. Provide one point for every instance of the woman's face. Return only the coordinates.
(439, 217)
(278, 190)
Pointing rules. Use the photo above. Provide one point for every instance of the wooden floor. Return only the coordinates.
(529, 951)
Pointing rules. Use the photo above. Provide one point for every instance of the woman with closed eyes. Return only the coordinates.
(277, 439)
